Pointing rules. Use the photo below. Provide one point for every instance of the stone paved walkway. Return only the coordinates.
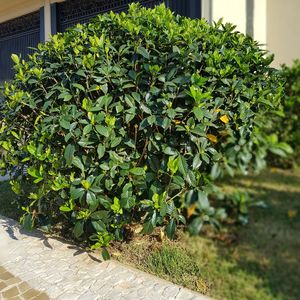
(36, 267)
(12, 287)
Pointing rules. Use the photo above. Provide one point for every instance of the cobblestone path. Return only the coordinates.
(36, 267)
(14, 288)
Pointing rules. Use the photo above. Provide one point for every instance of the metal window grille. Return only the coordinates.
(70, 13)
(15, 37)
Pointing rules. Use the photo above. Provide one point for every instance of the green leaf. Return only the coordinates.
(28, 222)
(176, 49)
(278, 151)
(91, 199)
(99, 226)
(15, 59)
(66, 96)
(78, 229)
(87, 129)
(173, 164)
(78, 163)
(33, 172)
(76, 193)
(81, 73)
(105, 254)
(65, 124)
(137, 171)
(102, 130)
(171, 208)
(170, 229)
(65, 208)
(182, 165)
(116, 207)
(199, 113)
(196, 162)
(191, 179)
(79, 86)
(136, 96)
(170, 151)
(144, 52)
(148, 227)
(145, 109)
(203, 201)
(106, 202)
(164, 209)
(69, 154)
(182, 219)
(86, 184)
(285, 147)
(195, 226)
(100, 150)
(127, 202)
(115, 142)
(215, 171)
(100, 215)
(281, 149)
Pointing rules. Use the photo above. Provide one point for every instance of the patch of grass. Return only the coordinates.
(257, 261)
(8, 204)
(173, 262)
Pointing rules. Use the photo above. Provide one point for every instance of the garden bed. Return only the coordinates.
(258, 261)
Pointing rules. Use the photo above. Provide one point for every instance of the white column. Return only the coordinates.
(47, 19)
(260, 22)
(206, 9)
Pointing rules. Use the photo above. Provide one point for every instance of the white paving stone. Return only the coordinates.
(65, 272)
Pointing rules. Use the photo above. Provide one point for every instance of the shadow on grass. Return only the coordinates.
(269, 247)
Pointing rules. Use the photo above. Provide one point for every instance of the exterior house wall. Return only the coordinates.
(283, 30)
(250, 19)
(14, 8)
(273, 23)
(230, 10)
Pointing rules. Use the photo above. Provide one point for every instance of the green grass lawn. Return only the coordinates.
(257, 261)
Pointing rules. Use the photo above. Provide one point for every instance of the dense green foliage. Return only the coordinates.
(288, 129)
(130, 118)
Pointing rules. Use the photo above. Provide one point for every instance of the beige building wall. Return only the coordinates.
(275, 23)
(283, 30)
(232, 11)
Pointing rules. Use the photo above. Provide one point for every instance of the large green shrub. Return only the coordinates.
(130, 118)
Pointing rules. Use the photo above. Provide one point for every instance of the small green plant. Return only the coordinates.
(238, 203)
(130, 119)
